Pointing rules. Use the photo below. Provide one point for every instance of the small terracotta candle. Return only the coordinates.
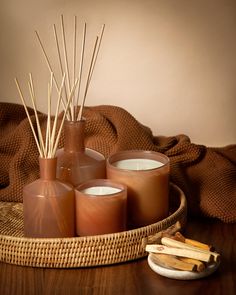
(146, 175)
(101, 207)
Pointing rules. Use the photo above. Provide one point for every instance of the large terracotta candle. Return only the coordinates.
(146, 175)
(101, 207)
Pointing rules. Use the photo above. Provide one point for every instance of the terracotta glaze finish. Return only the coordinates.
(148, 186)
(48, 205)
(77, 164)
(101, 207)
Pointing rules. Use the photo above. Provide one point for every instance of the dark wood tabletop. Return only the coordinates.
(134, 277)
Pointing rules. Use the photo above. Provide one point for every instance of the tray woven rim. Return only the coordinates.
(86, 251)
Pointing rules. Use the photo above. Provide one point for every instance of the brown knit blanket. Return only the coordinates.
(206, 175)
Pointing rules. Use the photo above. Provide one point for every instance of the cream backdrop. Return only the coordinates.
(172, 64)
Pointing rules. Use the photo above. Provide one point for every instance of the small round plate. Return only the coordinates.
(181, 274)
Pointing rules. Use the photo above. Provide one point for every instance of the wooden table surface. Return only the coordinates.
(132, 277)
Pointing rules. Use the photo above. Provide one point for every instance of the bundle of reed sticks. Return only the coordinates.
(172, 250)
(47, 145)
(70, 70)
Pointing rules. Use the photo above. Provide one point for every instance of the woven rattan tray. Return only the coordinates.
(78, 251)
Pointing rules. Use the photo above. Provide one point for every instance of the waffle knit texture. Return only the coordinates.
(206, 175)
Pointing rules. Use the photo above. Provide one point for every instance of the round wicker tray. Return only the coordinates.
(79, 251)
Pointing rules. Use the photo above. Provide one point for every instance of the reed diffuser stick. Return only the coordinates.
(58, 48)
(74, 67)
(74, 48)
(65, 52)
(28, 116)
(91, 68)
(33, 100)
(81, 63)
(97, 51)
(87, 82)
(49, 115)
(46, 58)
(49, 66)
(47, 128)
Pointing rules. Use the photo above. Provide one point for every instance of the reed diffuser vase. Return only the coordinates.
(48, 204)
(77, 164)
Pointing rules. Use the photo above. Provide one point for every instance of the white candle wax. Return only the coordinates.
(138, 164)
(101, 190)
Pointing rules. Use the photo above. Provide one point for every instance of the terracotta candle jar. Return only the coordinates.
(146, 175)
(100, 207)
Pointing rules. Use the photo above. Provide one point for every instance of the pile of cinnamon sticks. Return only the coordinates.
(169, 248)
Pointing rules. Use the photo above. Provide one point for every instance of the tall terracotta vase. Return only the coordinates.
(49, 205)
(76, 163)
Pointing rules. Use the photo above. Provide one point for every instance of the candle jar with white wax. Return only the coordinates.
(146, 175)
(101, 207)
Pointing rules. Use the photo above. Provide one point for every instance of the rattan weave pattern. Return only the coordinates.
(77, 251)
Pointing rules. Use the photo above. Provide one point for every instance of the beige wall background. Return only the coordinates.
(171, 64)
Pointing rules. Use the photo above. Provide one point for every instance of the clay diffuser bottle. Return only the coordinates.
(48, 204)
(76, 163)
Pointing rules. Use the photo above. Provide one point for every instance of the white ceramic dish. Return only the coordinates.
(181, 274)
